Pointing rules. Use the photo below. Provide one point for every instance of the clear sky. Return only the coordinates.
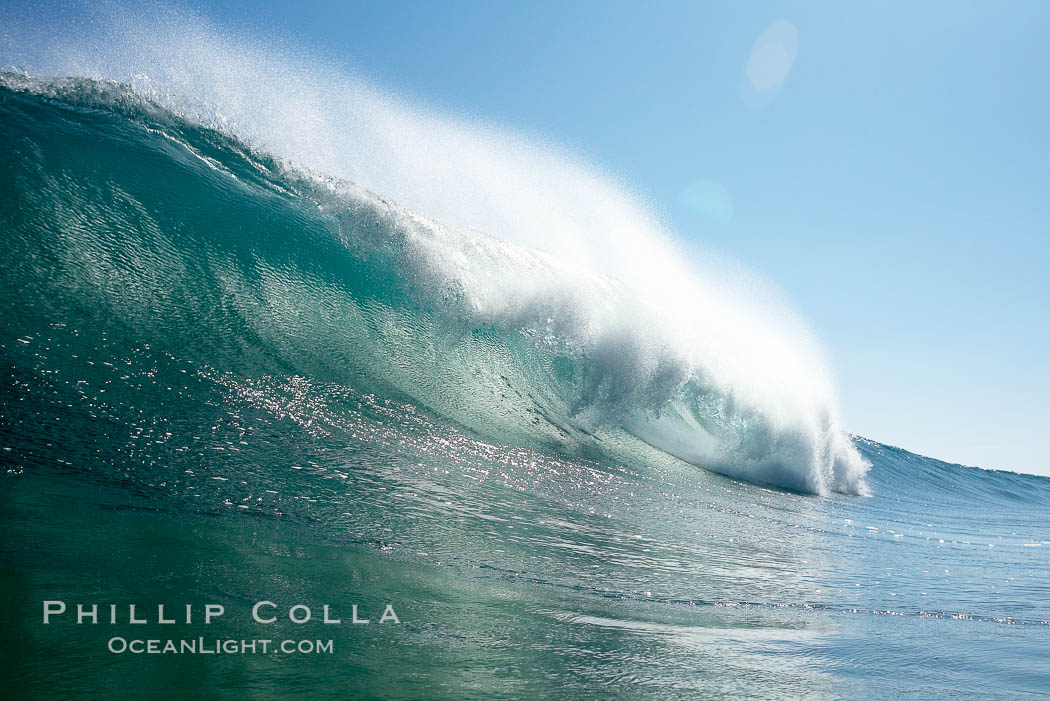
(886, 165)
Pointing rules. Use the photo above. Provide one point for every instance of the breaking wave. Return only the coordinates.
(261, 213)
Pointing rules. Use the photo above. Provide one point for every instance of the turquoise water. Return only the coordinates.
(228, 381)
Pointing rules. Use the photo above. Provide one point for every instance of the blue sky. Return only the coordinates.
(895, 186)
(891, 178)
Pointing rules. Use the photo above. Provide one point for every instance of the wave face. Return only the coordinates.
(196, 242)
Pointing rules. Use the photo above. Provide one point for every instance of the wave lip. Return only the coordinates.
(582, 325)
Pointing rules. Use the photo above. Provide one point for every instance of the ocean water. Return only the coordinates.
(229, 378)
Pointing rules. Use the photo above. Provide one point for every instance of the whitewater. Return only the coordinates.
(271, 333)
